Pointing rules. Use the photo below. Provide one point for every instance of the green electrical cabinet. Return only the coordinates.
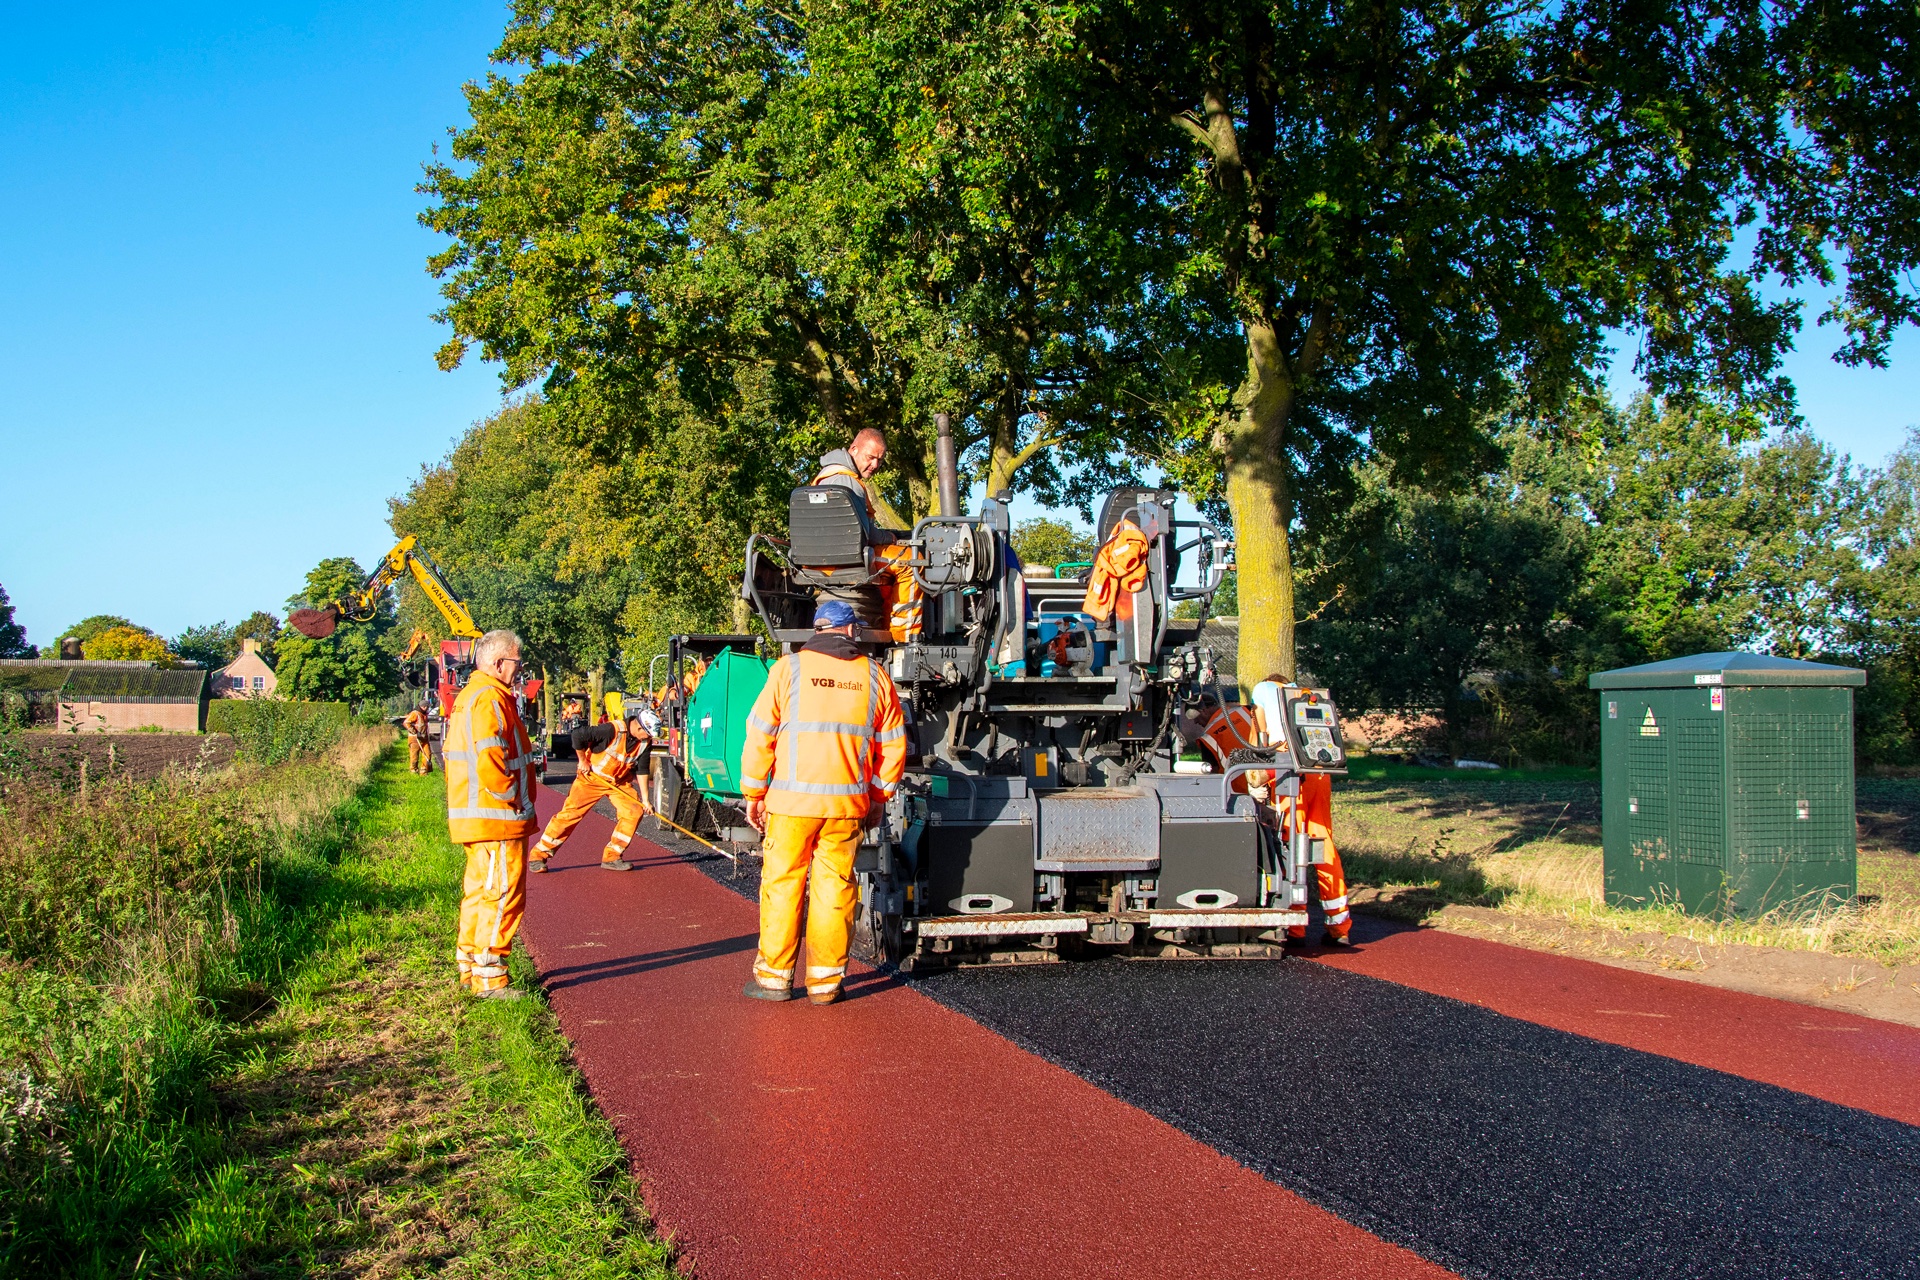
(717, 721)
(1726, 783)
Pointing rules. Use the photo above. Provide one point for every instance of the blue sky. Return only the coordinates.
(216, 330)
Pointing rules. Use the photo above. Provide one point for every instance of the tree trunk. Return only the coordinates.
(596, 692)
(546, 699)
(1259, 492)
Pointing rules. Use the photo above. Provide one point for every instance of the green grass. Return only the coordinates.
(1415, 841)
(287, 1080)
(1376, 769)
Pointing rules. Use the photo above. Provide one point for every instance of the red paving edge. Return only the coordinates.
(886, 1135)
(1840, 1057)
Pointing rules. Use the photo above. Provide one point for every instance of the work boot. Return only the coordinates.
(620, 864)
(754, 991)
(501, 993)
(831, 997)
(536, 866)
(1336, 940)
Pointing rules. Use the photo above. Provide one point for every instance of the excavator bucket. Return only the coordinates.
(315, 624)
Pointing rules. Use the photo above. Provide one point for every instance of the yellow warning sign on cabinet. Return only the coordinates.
(1649, 729)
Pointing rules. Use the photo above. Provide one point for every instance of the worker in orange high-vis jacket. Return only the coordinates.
(611, 756)
(490, 791)
(419, 740)
(1316, 814)
(826, 746)
(851, 468)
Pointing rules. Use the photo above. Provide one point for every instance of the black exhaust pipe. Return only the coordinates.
(946, 465)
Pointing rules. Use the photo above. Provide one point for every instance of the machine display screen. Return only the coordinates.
(1304, 714)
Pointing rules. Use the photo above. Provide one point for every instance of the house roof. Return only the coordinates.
(247, 663)
(136, 681)
(154, 684)
(1734, 668)
(28, 676)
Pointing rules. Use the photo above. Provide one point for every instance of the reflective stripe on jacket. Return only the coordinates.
(489, 763)
(616, 765)
(826, 737)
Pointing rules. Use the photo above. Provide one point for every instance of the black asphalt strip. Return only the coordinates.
(1492, 1146)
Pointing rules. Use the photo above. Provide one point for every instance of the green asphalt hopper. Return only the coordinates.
(1727, 783)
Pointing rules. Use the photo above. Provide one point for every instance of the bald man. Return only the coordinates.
(851, 468)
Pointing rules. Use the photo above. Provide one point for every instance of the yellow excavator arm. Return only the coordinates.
(362, 605)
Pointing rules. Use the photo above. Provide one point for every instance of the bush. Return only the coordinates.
(269, 730)
(144, 920)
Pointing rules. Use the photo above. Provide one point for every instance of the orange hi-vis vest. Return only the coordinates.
(826, 737)
(1118, 571)
(615, 765)
(490, 774)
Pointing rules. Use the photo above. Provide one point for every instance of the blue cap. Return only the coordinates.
(833, 613)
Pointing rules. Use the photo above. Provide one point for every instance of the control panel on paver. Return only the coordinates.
(1315, 723)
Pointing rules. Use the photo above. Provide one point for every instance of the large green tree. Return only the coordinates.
(13, 636)
(348, 666)
(1417, 211)
(1607, 537)
(867, 221)
(1258, 241)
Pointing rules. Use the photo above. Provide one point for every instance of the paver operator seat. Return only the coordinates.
(830, 551)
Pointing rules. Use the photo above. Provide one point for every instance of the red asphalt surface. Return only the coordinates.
(885, 1135)
(1840, 1057)
(890, 1136)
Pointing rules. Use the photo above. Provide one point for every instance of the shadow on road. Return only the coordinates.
(625, 966)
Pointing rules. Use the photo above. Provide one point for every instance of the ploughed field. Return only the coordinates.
(135, 755)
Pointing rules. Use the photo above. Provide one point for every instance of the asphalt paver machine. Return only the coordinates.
(1051, 805)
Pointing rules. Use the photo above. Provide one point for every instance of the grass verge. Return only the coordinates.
(1528, 844)
(286, 1080)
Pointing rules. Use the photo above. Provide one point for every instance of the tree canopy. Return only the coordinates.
(87, 628)
(13, 636)
(1261, 248)
(351, 665)
(126, 644)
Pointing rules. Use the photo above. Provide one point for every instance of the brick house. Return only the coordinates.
(247, 676)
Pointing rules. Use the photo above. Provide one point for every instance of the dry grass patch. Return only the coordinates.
(1418, 842)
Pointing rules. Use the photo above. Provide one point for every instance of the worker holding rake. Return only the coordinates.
(419, 740)
(611, 756)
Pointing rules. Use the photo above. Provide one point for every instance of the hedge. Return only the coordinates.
(269, 730)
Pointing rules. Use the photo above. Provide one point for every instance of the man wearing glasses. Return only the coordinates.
(490, 788)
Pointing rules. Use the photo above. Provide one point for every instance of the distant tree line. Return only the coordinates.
(1615, 537)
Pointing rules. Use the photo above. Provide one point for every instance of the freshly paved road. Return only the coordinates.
(1492, 1111)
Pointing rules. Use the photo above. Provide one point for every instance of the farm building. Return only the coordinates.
(89, 697)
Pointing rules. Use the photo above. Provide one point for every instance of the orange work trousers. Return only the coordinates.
(419, 754)
(495, 898)
(1316, 811)
(589, 789)
(900, 591)
(815, 855)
